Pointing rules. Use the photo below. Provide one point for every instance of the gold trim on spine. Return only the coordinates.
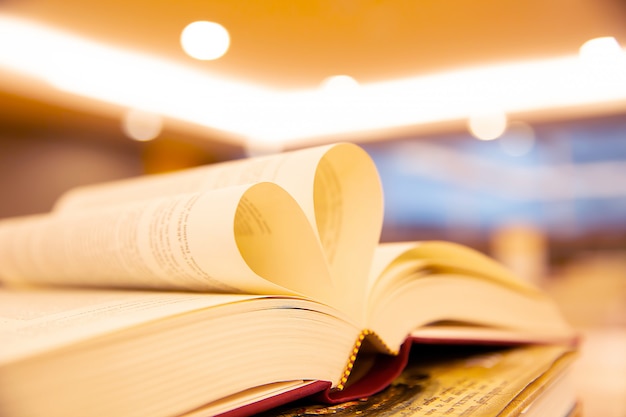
(355, 351)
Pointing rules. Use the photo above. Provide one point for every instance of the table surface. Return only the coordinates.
(592, 294)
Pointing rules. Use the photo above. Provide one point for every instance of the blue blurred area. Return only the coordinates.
(571, 182)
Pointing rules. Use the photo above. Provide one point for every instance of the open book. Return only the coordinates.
(247, 282)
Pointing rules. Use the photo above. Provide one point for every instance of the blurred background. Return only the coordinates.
(497, 124)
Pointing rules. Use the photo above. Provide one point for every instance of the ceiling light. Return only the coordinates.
(339, 83)
(487, 125)
(205, 40)
(604, 61)
(605, 51)
(141, 125)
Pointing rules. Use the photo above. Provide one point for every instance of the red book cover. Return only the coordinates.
(382, 372)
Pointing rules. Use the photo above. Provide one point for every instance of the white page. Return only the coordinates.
(37, 321)
(247, 239)
(337, 187)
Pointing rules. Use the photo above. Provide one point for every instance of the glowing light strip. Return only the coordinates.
(132, 79)
(127, 78)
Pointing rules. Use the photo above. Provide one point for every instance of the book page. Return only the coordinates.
(294, 171)
(337, 187)
(37, 321)
(403, 258)
(349, 212)
(248, 239)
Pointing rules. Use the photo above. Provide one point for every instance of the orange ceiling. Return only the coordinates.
(285, 44)
(297, 43)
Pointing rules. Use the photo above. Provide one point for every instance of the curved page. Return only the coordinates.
(249, 239)
(431, 256)
(337, 187)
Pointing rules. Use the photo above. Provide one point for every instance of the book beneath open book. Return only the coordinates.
(248, 282)
(467, 381)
